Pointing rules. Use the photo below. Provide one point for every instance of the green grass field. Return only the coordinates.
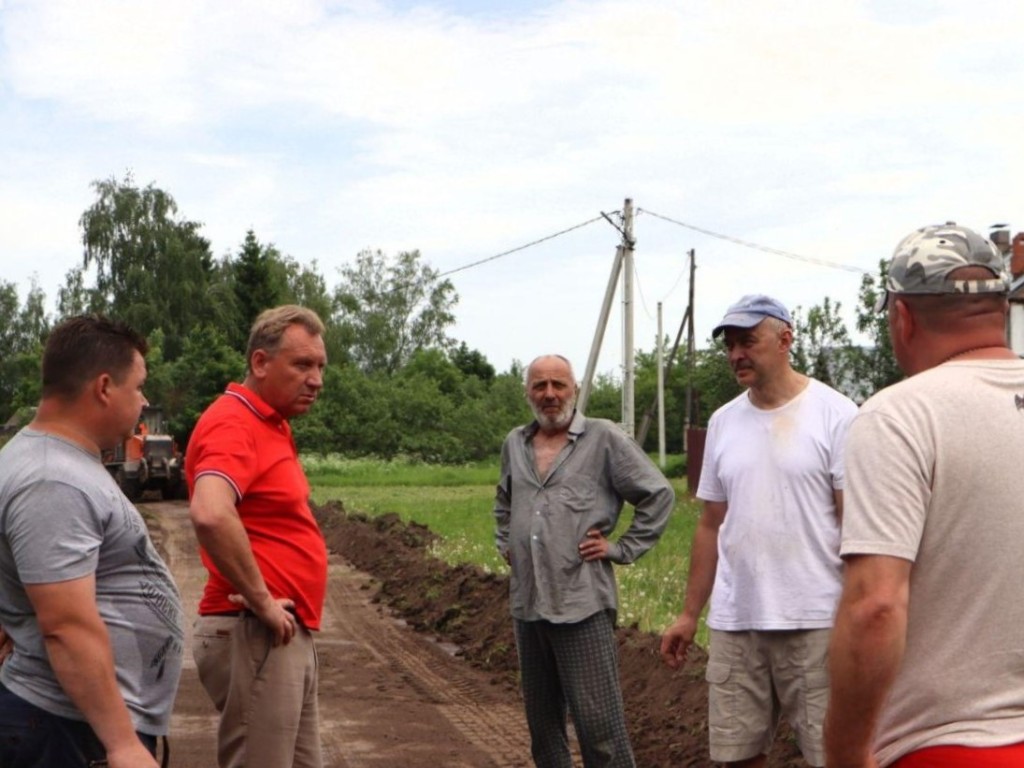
(456, 504)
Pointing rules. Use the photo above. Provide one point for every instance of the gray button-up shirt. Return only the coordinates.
(541, 521)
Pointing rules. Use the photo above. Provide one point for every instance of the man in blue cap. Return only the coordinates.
(766, 548)
(927, 657)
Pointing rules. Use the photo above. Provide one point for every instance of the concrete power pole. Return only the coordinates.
(690, 360)
(623, 264)
(602, 324)
(661, 392)
(628, 374)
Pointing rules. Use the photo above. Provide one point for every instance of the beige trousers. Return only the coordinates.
(266, 696)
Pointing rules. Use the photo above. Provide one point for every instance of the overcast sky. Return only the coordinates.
(466, 128)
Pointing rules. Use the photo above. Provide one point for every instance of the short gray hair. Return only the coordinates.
(563, 358)
(269, 327)
(774, 324)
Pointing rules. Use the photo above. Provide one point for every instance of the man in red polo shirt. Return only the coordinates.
(265, 554)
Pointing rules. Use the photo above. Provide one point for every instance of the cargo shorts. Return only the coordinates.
(757, 676)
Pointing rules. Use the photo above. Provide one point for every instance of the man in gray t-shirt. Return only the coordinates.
(95, 617)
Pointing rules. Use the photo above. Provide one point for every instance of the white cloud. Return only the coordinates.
(826, 129)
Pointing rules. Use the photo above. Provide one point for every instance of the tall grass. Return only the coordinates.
(334, 471)
(456, 503)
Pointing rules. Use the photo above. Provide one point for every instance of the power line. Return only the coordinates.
(756, 246)
(675, 285)
(640, 290)
(521, 247)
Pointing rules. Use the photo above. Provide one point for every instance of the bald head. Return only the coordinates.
(551, 392)
(545, 360)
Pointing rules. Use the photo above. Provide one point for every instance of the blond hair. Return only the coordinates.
(269, 327)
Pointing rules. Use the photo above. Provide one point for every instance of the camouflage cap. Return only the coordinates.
(923, 260)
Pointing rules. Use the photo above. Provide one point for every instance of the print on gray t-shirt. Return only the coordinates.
(63, 517)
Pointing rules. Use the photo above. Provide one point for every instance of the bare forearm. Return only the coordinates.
(84, 665)
(227, 544)
(703, 565)
(678, 637)
(867, 648)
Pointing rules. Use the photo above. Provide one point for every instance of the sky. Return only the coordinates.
(466, 129)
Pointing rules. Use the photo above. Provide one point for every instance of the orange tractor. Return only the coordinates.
(149, 460)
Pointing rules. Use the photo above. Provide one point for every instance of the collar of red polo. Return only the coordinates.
(254, 402)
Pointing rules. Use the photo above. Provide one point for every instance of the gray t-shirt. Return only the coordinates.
(63, 517)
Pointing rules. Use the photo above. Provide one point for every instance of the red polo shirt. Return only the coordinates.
(243, 440)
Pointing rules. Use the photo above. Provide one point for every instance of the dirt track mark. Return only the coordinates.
(490, 723)
(388, 696)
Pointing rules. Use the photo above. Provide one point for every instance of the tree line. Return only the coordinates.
(398, 383)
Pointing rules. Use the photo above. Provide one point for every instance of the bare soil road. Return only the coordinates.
(388, 695)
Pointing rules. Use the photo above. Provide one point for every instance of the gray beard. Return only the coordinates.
(561, 420)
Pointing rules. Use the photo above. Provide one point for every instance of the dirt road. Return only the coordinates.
(388, 696)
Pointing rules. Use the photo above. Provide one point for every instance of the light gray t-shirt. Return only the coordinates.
(934, 477)
(63, 517)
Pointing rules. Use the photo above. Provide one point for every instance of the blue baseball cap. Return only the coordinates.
(751, 310)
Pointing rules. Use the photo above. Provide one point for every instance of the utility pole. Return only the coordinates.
(602, 324)
(661, 392)
(628, 375)
(690, 359)
(645, 423)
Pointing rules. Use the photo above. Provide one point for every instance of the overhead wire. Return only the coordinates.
(669, 219)
(757, 246)
(522, 247)
(640, 290)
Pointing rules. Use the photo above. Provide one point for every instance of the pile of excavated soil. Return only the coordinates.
(462, 605)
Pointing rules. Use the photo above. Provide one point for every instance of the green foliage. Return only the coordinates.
(258, 284)
(877, 367)
(387, 309)
(472, 363)
(675, 464)
(396, 383)
(205, 367)
(457, 502)
(152, 270)
(605, 401)
(822, 348)
(75, 298)
(430, 411)
(714, 383)
(23, 327)
(337, 471)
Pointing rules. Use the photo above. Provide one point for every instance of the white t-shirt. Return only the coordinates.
(778, 548)
(935, 477)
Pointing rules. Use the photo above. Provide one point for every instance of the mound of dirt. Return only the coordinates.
(462, 605)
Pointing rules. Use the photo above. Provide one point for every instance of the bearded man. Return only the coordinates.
(563, 481)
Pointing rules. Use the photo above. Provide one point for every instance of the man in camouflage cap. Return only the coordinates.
(927, 655)
(925, 258)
